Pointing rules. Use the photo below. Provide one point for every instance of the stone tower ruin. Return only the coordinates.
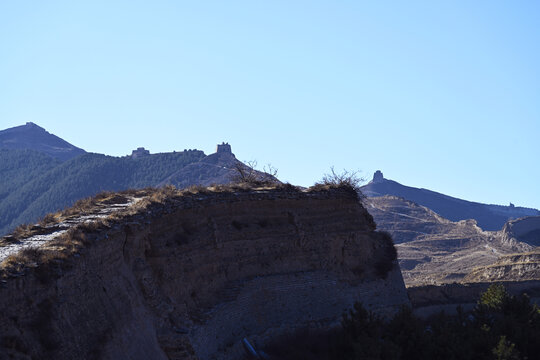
(224, 148)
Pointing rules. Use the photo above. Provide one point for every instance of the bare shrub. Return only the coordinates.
(247, 173)
(345, 178)
(270, 170)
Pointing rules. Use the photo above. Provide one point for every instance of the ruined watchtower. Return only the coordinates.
(140, 152)
(224, 148)
(378, 177)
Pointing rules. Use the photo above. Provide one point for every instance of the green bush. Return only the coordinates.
(500, 327)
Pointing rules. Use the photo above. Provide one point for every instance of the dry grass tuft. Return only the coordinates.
(49, 219)
(138, 192)
(52, 258)
(81, 207)
(48, 263)
(22, 231)
(17, 263)
(196, 189)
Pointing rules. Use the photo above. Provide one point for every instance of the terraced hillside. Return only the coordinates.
(432, 249)
(514, 267)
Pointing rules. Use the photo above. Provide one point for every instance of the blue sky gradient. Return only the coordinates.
(444, 96)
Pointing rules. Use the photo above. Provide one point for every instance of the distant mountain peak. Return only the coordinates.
(34, 125)
(33, 137)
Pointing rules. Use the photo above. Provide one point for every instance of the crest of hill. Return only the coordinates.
(222, 167)
(488, 217)
(34, 137)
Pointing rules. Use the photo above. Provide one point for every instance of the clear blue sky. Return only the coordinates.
(441, 95)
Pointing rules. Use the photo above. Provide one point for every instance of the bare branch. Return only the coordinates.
(348, 178)
(247, 173)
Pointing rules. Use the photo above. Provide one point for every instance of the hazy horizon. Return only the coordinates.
(437, 96)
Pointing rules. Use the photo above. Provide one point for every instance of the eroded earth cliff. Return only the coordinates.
(188, 275)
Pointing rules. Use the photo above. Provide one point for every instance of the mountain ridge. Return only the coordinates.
(488, 216)
(33, 182)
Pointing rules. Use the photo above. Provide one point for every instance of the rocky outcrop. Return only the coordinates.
(525, 230)
(523, 233)
(189, 276)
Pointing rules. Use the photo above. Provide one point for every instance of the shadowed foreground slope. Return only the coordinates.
(187, 275)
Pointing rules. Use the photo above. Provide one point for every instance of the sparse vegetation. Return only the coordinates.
(21, 231)
(247, 173)
(500, 327)
(345, 179)
(48, 219)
